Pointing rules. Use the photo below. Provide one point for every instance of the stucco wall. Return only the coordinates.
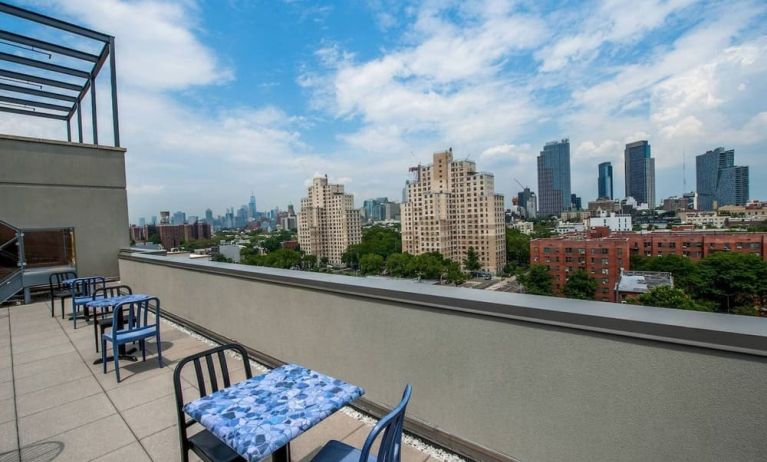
(530, 391)
(55, 184)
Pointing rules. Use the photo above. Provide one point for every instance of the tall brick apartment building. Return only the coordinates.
(603, 257)
(451, 207)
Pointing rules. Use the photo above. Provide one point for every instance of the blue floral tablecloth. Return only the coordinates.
(260, 415)
(112, 301)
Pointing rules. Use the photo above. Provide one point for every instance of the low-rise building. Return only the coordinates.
(703, 219)
(574, 215)
(569, 228)
(613, 221)
(634, 283)
(604, 257)
(525, 227)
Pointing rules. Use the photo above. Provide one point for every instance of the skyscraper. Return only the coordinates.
(452, 207)
(209, 216)
(605, 181)
(527, 201)
(640, 173)
(375, 209)
(252, 206)
(328, 223)
(179, 218)
(554, 178)
(719, 181)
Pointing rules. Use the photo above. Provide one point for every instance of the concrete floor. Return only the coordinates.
(56, 405)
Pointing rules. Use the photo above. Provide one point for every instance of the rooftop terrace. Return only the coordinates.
(55, 404)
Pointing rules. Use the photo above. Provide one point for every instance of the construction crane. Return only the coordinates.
(520, 184)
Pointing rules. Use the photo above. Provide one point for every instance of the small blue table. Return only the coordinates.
(261, 415)
(108, 302)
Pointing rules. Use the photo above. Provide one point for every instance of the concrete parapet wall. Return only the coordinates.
(506, 376)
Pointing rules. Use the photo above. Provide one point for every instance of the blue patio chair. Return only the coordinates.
(106, 313)
(83, 290)
(389, 451)
(131, 323)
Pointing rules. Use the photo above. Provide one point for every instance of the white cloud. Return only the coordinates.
(157, 45)
(616, 21)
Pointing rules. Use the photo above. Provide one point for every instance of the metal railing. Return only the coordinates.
(54, 91)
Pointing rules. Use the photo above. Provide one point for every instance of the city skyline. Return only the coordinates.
(554, 161)
(362, 91)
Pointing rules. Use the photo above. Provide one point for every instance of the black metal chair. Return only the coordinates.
(58, 290)
(100, 325)
(204, 444)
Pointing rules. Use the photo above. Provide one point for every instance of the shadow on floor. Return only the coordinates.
(38, 452)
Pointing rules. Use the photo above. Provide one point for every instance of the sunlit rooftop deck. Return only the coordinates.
(55, 404)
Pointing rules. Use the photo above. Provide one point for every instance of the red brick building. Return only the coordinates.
(603, 257)
(172, 235)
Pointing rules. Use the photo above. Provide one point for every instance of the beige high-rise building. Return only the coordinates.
(451, 207)
(328, 223)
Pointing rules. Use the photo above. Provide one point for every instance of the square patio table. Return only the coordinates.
(260, 416)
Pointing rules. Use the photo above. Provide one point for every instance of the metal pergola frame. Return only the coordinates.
(63, 106)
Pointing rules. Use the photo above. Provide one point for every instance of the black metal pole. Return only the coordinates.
(79, 123)
(93, 111)
(69, 131)
(113, 75)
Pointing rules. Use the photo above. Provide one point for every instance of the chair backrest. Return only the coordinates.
(391, 426)
(55, 280)
(134, 315)
(83, 287)
(212, 379)
(112, 291)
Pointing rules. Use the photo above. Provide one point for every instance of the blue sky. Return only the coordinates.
(221, 98)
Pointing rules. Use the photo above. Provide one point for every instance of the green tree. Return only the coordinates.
(376, 240)
(398, 264)
(453, 274)
(472, 260)
(381, 241)
(542, 229)
(669, 297)
(517, 249)
(154, 238)
(220, 258)
(371, 263)
(580, 285)
(309, 262)
(351, 257)
(275, 240)
(686, 272)
(280, 258)
(734, 280)
(426, 265)
(538, 281)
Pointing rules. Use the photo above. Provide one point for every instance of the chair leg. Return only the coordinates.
(159, 347)
(142, 345)
(116, 354)
(96, 330)
(62, 307)
(104, 354)
(74, 314)
(53, 303)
